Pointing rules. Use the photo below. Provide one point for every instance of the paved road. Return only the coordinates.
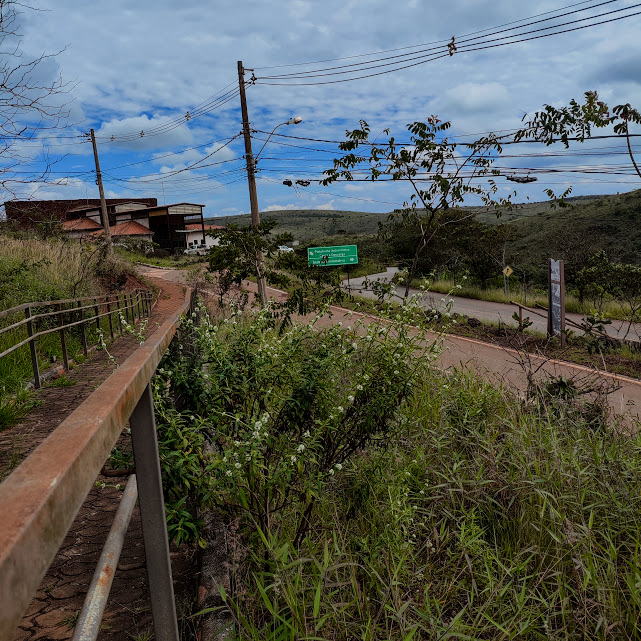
(503, 366)
(485, 310)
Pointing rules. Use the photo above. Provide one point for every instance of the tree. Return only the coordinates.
(576, 121)
(440, 176)
(29, 105)
(235, 258)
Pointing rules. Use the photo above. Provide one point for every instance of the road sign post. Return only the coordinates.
(556, 300)
(331, 256)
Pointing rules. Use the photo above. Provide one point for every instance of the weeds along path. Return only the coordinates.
(54, 609)
(508, 367)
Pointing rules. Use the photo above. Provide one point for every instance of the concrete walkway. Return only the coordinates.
(484, 310)
(53, 611)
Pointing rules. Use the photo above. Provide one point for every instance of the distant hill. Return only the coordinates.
(610, 223)
(307, 224)
(589, 224)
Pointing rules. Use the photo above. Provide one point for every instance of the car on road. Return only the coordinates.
(284, 248)
(196, 250)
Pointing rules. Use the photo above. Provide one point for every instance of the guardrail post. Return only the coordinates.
(139, 299)
(97, 312)
(119, 312)
(63, 340)
(32, 346)
(111, 325)
(152, 515)
(83, 332)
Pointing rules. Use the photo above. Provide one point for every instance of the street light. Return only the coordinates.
(292, 121)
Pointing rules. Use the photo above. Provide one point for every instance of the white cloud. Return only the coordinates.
(156, 60)
(279, 207)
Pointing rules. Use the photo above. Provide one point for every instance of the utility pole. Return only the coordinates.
(251, 180)
(103, 203)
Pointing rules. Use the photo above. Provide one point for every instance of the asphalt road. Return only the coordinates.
(485, 310)
(503, 366)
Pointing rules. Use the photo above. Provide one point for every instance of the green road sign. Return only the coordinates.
(328, 256)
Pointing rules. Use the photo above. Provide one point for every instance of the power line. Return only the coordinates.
(441, 48)
(424, 44)
(419, 60)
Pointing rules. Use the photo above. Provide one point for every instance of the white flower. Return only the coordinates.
(237, 466)
(306, 434)
(331, 472)
(396, 372)
(228, 473)
(293, 459)
(258, 425)
(355, 345)
(338, 466)
(359, 388)
(340, 409)
(237, 443)
(350, 398)
(225, 459)
(300, 448)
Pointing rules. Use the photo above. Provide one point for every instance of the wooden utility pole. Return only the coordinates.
(251, 180)
(103, 203)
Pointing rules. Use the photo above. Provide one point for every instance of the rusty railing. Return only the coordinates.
(77, 312)
(39, 500)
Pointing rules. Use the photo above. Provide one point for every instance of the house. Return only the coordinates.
(194, 234)
(165, 225)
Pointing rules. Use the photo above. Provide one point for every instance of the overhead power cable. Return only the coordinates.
(216, 101)
(412, 60)
(424, 44)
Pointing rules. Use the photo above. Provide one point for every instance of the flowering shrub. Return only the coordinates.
(283, 412)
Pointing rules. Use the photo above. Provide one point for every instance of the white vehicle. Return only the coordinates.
(284, 248)
(196, 250)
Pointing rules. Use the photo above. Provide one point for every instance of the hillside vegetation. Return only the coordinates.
(589, 224)
(307, 224)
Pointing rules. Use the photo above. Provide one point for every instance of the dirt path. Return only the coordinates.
(54, 609)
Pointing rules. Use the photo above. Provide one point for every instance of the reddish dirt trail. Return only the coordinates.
(53, 610)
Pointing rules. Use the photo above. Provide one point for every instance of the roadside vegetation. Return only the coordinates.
(43, 269)
(370, 496)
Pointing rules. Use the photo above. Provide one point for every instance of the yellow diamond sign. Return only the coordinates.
(508, 271)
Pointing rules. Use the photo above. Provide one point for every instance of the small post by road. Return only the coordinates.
(556, 300)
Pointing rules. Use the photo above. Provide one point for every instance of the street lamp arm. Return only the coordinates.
(291, 121)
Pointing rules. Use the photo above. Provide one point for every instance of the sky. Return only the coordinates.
(170, 70)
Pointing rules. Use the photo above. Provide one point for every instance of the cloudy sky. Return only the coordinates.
(144, 66)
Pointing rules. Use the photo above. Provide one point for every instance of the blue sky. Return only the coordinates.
(142, 66)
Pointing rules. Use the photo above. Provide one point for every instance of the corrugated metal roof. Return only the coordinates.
(197, 227)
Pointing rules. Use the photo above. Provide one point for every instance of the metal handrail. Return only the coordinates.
(139, 299)
(47, 303)
(39, 500)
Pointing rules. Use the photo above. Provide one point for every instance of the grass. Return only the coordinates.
(480, 515)
(171, 262)
(611, 309)
(32, 270)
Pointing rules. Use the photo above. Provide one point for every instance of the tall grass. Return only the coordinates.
(40, 270)
(611, 309)
(477, 515)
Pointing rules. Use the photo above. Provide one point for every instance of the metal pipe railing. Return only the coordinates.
(141, 302)
(39, 500)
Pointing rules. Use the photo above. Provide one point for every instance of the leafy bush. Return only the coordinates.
(441, 507)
